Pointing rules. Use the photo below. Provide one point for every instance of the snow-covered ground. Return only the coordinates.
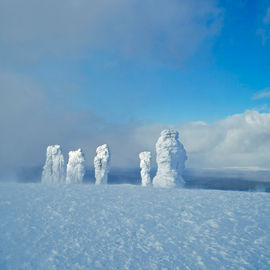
(132, 227)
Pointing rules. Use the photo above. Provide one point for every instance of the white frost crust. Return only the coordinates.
(145, 165)
(102, 162)
(54, 168)
(171, 157)
(75, 167)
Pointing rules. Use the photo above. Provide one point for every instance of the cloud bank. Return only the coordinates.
(240, 140)
(29, 123)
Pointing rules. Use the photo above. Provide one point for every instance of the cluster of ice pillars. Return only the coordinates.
(170, 157)
(54, 169)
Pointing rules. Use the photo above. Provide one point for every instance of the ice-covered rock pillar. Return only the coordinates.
(102, 164)
(145, 165)
(171, 157)
(54, 168)
(75, 167)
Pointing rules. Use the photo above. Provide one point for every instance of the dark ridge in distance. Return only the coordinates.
(199, 179)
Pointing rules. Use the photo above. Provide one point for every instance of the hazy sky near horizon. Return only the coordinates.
(80, 73)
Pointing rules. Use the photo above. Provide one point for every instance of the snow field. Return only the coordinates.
(132, 227)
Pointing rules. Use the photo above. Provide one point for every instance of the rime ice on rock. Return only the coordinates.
(171, 157)
(75, 167)
(102, 164)
(54, 168)
(145, 165)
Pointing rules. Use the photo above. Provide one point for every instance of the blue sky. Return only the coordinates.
(80, 73)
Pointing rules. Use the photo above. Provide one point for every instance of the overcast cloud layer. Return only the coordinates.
(32, 30)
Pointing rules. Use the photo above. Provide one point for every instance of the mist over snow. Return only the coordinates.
(240, 140)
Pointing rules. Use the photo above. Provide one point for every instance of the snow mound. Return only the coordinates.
(102, 162)
(145, 165)
(131, 227)
(171, 157)
(75, 167)
(54, 168)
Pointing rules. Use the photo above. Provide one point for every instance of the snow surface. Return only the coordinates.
(131, 227)
(102, 163)
(75, 167)
(54, 168)
(145, 165)
(171, 157)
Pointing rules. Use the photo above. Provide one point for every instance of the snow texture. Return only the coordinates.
(171, 157)
(54, 168)
(75, 167)
(102, 162)
(145, 165)
(82, 227)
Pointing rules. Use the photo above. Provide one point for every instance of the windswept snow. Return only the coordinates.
(84, 227)
(102, 162)
(171, 157)
(54, 168)
(145, 165)
(75, 167)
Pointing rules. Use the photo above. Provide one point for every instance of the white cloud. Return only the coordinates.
(238, 140)
(266, 19)
(264, 30)
(262, 94)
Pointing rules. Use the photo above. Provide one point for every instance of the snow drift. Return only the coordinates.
(102, 162)
(171, 157)
(54, 168)
(145, 165)
(75, 167)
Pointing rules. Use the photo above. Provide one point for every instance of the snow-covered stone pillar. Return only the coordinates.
(102, 164)
(171, 157)
(75, 167)
(145, 165)
(54, 168)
